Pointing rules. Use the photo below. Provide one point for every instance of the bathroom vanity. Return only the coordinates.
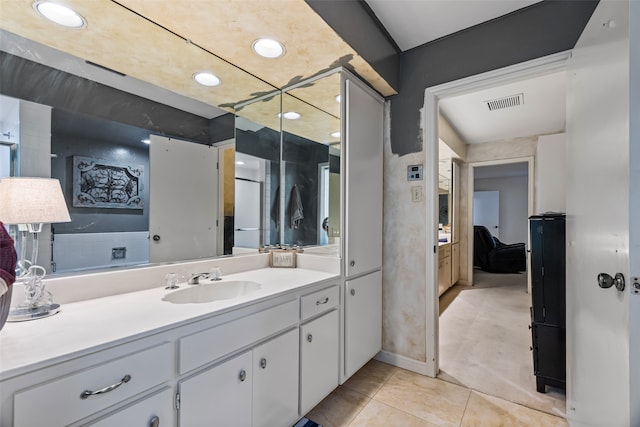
(259, 359)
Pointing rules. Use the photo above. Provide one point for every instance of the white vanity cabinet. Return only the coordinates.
(70, 398)
(319, 359)
(363, 185)
(220, 396)
(154, 411)
(364, 115)
(362, 320)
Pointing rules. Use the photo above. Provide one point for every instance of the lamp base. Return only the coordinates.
(24, 314)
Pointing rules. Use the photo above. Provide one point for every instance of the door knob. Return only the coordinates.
(605, 281)
(156, 238)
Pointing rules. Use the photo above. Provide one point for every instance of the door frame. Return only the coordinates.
(536, 67)
(471, 188)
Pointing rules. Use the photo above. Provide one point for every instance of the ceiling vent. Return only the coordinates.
(505, 102)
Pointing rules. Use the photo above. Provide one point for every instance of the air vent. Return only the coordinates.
(505, 102)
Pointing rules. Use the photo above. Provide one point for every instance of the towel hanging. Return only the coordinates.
(295, 207)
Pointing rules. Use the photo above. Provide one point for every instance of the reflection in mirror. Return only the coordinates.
(311, 162)
(256, 221)
(446, 196)
(130, 96)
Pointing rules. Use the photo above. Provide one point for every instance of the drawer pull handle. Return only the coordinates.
(309, 337)
(88, 393)
(353, 292)
(263, 363)
(322, 301)
(155, 421)
(243, 375)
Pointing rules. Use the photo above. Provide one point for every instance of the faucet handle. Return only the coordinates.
(215, 273)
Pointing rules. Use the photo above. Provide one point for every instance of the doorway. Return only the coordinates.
(530, 69)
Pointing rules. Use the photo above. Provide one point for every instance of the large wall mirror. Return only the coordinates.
(220, 163)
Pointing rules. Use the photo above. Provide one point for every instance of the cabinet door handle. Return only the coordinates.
(352, 263)
(88, 393)
(243, 375)
(309, 337)
(263, 363)
(155, 421)
(353, 292)
(322, 301)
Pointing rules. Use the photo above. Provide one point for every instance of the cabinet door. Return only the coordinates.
(275, 381)
(159, 406)
(364, 115)
(319, 360)
(455, 263)
(220, 396)
(362, 320)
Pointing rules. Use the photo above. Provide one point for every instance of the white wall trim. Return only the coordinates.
(537, 67)
(403, 362)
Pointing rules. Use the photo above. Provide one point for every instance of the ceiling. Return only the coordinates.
(542, 110)
(415, 22)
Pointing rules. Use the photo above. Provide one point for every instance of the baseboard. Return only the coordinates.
(402, 362)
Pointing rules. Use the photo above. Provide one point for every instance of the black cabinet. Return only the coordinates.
(548, 300)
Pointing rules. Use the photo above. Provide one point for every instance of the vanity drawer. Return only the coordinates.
(158, 406)
(444, 251)
(59, 402)
(211, 344)
(319, 302)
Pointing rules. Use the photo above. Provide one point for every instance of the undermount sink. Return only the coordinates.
(212, 292)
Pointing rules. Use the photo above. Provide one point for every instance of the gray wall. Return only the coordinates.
(542, 29)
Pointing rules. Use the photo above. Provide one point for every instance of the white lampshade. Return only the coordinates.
(32, 201)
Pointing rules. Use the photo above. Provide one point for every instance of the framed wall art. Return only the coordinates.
(106, 184)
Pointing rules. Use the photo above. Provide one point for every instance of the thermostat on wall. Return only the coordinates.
(414, 173)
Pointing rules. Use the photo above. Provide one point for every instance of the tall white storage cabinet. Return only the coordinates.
(363, 115)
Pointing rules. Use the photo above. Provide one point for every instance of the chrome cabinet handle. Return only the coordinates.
(353, 292)
(263, 363)
(88, 393)
(243, 375)
(155, 421)
(322, 301)
(352, 263)
(309, 337)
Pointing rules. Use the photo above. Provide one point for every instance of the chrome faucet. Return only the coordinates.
(195, 278)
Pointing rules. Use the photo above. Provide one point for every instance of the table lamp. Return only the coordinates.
(29, 203)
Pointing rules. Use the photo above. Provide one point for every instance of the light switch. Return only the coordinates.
(416, 193)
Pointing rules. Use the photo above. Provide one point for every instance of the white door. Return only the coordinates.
(247, 214)
(183, 200)
(486, 210)
(319, 368)
(602, 343)
(275, 381)
(364, 181)
(220, 396)
(362, 321)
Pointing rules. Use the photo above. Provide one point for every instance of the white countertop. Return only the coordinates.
(99, 323)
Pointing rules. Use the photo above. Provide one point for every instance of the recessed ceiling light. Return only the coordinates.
(146, 141)
(268, 48)
(290, 115)
(335, 134)
(59, 14)
(206, 78)
(338, 99)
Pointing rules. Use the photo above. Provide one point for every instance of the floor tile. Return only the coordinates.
(488, 411)
(339, 408)
(377, 414)
(370, 378)
(428, 398)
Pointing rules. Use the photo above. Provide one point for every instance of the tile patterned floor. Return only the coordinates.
(383, 395)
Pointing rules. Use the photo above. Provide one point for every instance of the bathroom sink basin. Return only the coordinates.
(212, 292)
